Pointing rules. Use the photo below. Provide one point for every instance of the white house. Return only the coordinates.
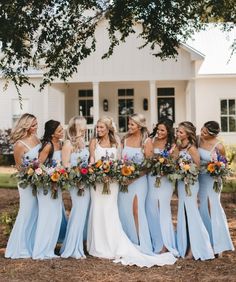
(199, 86)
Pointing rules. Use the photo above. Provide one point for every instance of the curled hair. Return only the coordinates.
(75, 129)
(190, 130)
(140, 120)
(111, 130)
(212, 127)
(168, 123)
(22, 127)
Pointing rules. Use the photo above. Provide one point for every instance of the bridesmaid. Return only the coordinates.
(210, 208)
(192, 237)
(50, 210)
(132, 204)
(158, 200)
(26, 144)
(72, 150)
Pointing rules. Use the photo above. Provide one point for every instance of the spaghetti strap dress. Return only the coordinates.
(158, 210)
(211, 210)
(22, 237)
(73, 243)
(137, 189)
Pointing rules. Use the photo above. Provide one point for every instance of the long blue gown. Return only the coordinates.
(21, 240)
(125, 204)
(211, 210)
(49, 222)
(73, 243)
(191, 231)
(159, 215)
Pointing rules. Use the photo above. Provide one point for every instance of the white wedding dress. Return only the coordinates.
(106, 238)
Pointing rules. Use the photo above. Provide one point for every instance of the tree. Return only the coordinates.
(56, 35)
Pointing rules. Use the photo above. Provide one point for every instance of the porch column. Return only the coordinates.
(191, 101)
(95, 102)
(153, 103)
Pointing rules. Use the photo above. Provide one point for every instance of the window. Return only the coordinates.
(166, 103)
(125, 107)
(86, 104)
(17, 111)
(228, 115)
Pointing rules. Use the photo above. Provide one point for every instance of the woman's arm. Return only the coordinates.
(66, 153)
(43, 155)
(148, 148)
(193, 151)
(19, 151)
(92, 146)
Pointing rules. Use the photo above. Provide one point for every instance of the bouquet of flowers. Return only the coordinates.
(82, 176)
(219, 169)
(104, 170)
(29, 174)
(54, 177)
(187, 171)
(126, 170)
(162, 164)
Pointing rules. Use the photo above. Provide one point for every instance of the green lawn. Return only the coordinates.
(7, 181)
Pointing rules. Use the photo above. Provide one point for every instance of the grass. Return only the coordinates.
(7, 181)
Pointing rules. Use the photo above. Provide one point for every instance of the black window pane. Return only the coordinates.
(232, 124)
(130, 106)
(130, 92)
(165, 91)
(90, 93)
(86, 93)
(223, 107)
(121, 92)
(82, 108)
(232, 107)
(224, 126)
(123, 124)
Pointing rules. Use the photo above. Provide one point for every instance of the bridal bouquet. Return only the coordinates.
(162, 164)
(187, 171)
(218, 168)
(54, 177)
(126, 170)
(82, 176)
(104, 170)
(29, 174)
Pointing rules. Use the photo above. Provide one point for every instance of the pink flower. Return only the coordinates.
(38, 171)
(84, 171)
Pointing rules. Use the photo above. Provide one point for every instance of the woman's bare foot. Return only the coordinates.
(164, 250)
(189, 255)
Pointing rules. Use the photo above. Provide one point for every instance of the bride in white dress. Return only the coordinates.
(106, 238)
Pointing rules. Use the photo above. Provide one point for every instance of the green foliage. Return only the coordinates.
(8, 219)
(56, 35)
(231, 156)
(7, 181)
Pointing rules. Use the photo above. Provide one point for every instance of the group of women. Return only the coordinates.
(131, 228)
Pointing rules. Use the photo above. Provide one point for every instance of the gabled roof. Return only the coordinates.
(216, 46)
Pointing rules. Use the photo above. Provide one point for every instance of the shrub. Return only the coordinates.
(6, 148)
(8, 219)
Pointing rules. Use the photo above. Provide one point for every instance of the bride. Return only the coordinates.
(106, 238)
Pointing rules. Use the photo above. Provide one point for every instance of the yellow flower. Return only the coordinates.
(98, 163)
(186, 167)
(90, 170)
(106, 167)
(132, 168)
(126, 170)
(211, 167)
(161, 160)
(30, 171)
(55, 176)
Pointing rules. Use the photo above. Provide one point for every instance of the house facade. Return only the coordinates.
(199, 85)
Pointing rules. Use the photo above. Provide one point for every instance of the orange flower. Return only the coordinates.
(186, 167)
(106, 167)
(30, 171)
(211, 167)
(55, 177)
(126, 170)
(98, 163)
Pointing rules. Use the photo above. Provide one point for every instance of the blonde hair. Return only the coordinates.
(190, 130)
(22, 127)
(140, 120)
(111, 128)
(74, 131)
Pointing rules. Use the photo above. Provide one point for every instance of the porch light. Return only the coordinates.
(145, 104)
(105, 105)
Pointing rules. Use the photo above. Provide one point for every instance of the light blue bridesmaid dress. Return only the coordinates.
(159, 215)
(211, 210)
(21, 240)
(191, 231)
(73, 243)
(49, 222)
(125, 204)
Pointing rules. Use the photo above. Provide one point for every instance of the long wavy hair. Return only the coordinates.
(191, 131)
(168, 123)
(22, 127)
(114, 139)
(75, 131)
(140, 120)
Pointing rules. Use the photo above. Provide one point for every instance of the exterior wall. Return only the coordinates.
(209, 91)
